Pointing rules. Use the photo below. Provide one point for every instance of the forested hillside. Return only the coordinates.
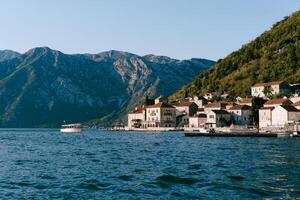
(274, 55)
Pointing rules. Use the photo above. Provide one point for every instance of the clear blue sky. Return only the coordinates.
(177, 28)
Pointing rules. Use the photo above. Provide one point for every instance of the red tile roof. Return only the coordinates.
(279, 101)
(215, 105)
(240, 107)
(138, 110)
(296, 103)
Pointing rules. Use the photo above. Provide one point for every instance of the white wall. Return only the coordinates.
(132, 116)
(265, 118)
(279, 116)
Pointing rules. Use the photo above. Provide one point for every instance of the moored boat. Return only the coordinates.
(71, 128)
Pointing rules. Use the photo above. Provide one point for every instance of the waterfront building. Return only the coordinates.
(218, 118)
(283, 114)
(190, 108)
(240, 114)
(265, 117)
(183, 111)
(198, 120)
(160, 114)
(276, 87)
(136, 118)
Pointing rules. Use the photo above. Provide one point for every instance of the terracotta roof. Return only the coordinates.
(290, 108)
(267, 84)
(240, 107)
(160, 105)
(184, 104)
(215, 105)
(138, 110)
(266, 108)
(220, 111)
(278, 101)
(296, 103)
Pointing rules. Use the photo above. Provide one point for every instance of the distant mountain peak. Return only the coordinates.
(159, 59)
(8, 54)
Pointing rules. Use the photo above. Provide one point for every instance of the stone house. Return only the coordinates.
(136, 118)
(277, 87)
(199, 120)
(160, 115)
(265, 117)
(218, 118)
(240, 114)
(283, 114)
(190, 108)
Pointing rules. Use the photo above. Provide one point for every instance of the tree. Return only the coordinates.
(268, 91)
(257, 103)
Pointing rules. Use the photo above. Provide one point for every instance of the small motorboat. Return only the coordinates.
(204, 130)
(71, 128)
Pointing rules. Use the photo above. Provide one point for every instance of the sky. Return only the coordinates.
(181, 29)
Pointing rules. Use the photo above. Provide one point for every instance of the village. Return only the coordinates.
(279, 112)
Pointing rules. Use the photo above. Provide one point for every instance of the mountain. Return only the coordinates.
(44, 87)
(274, 55)
(8, 54)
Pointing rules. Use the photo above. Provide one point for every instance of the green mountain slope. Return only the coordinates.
(274, 55)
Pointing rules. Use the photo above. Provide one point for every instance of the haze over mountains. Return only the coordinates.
(44, 87)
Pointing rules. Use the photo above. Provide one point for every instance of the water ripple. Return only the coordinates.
(45, 164)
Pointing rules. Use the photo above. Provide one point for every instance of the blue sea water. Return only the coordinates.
(46, 164)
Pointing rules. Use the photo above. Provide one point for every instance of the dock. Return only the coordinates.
(233, 135)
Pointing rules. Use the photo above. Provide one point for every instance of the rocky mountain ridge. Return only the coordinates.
(44, 87)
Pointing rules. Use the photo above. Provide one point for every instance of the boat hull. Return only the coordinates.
(70, 130)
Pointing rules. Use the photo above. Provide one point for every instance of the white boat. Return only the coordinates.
(70, 128)
(204, 130)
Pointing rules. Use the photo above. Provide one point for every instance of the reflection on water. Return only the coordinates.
(43, 164)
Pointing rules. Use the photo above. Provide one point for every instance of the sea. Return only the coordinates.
(97, 164)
